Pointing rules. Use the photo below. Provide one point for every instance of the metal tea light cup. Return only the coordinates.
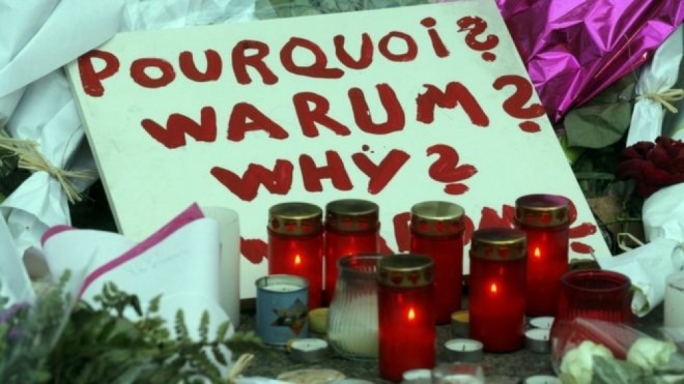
(281, 308)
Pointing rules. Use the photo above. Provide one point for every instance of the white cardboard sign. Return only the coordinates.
(396, 106)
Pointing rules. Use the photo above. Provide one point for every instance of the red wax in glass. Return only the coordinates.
(547, 261)
(591, 294)
(437, 232)
(300, 256)
(545, 220)
(295, 245)
(341, 244)
(406, 330)
(496, 298)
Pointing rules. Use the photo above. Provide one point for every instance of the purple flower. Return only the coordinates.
(12, 311)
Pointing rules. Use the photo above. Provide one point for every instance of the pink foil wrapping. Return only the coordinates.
(574, 49)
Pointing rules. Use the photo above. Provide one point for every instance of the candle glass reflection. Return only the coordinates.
(590, 294)
(458, 373)
(437, 231)
(295, 245)
(351, 227)
(497, 288)
(545, 219)
(407, 332)
(353, 313)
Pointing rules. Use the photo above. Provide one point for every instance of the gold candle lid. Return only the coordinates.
(502, 244)
(296, 219)
(352, 215)
(405, 271)
(542, 210)
(437, 218)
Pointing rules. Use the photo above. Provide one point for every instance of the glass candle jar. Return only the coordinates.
(295, 245)
(496, 299)
(406, 319)
(353, 313)
(351, 227)
(437, 231)
(545, 219)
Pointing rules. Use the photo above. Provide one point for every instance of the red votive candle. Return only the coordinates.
(496, 300)
(545, 219)
(351, 228)
(406, 321)
(437, 232)
(295, 245)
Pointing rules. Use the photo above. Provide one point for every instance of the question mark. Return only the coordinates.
(515, 104)
(476, 26)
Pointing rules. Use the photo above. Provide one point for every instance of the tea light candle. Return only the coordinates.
(460, 323)
(465, 349)
(538, 340)
(542, 379)
(674, 300)
(417, 376)
(281, 308)
(308, 350)
(543, 322)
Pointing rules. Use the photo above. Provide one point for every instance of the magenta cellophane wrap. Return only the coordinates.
(574, 49)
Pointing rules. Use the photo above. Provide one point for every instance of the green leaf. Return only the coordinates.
(204, 326)
(608, 370)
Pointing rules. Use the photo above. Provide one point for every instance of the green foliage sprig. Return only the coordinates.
(112, 341)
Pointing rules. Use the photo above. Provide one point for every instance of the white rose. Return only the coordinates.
(579, 361)
(648, 353)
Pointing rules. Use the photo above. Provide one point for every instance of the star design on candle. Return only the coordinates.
(293, 317)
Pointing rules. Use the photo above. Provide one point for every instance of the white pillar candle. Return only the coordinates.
(674, 300)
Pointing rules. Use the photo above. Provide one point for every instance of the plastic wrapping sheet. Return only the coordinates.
(574, 49)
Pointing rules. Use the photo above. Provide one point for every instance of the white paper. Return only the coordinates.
(658, 76)
(182, 266)
(162, 14)
(663, 214)
(229, 261)
(646, 267)
(15, 284)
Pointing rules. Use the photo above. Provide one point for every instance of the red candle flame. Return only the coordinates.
(411, 314)
(493, 288)
(537, 253)
(298, 260)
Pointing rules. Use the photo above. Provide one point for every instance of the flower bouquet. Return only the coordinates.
(657, 171)
(596, 351)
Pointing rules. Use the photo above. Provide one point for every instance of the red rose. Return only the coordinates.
(652, 165)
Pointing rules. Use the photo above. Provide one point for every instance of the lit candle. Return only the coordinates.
(437, 231)
(281, 308)
(545, 219)
(351, 228)
(295, 245)
(406, 321)
(674, 300)
(497, 288)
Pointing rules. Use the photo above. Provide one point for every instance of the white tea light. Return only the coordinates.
(465, 349)
(544, 322)
(538, 340)
(542, 379)
(308, 350)
(459, 379)
(674, 300)
(417, 376)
